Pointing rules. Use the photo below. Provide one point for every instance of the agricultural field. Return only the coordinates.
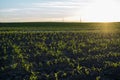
(59, 51)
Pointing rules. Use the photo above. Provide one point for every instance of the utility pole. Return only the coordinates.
(63, 19)
(80, 19)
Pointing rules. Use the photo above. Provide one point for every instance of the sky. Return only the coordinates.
(59, 10)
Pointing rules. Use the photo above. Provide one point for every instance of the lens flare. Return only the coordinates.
(107, 28)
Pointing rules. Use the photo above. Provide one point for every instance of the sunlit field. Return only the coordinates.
(59, 51)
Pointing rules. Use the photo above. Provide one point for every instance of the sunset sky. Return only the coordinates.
(57, 10)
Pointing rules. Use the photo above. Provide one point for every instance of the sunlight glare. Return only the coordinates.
(101, 11)
(107, 28)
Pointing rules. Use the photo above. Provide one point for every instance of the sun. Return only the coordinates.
(101, 11)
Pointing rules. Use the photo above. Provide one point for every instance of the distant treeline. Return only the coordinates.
(53, 24)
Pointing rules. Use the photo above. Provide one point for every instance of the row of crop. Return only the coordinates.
(58, 55)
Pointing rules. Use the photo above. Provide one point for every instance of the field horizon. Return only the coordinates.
(59, 22)
(59, 26)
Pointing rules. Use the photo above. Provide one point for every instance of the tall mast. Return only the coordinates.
(63, 19)
(80, 19)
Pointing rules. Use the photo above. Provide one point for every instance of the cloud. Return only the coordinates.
(45, 10)
(9, 10)
(58, 4)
